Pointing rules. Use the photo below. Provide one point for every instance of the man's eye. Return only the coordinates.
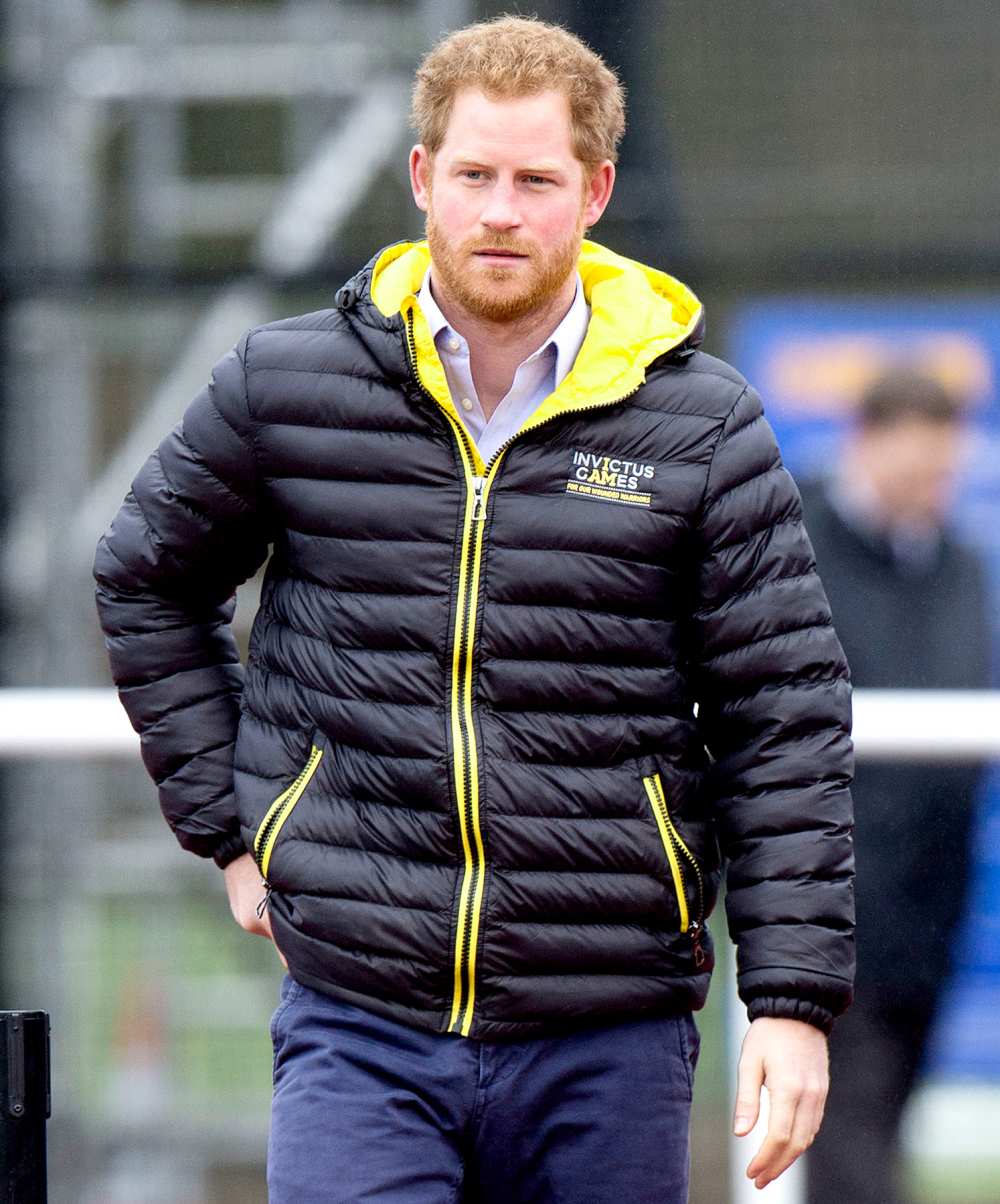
(472, 174)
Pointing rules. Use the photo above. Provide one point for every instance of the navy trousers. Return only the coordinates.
(368, 1109)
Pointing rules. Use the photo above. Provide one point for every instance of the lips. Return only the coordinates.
(498, 258)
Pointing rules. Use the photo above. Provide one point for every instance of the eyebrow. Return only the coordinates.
(534, 169)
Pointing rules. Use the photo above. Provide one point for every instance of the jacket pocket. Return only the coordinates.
(282, 807)
(685, 871)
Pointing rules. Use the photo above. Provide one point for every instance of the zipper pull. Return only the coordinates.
(262, 905)
(694, 932)
(478, 510)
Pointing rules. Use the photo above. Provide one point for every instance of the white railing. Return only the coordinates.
(944, 725)
(895, 724)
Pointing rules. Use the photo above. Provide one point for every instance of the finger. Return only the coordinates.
(749, 1080)
(777, 1152)
(771, 1160)
(808, 1116)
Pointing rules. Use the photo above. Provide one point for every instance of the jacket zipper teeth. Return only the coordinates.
(467, 949)
(264, 831)
(686, 853)
(470, 896)
(278, 813)
(677, 850)
(463, 998)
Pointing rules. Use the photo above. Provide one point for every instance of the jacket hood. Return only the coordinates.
(638, 314)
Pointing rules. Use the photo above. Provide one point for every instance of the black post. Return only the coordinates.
(25, 1105)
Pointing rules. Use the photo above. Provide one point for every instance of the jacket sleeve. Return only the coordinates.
(190, 530)
(774, 710)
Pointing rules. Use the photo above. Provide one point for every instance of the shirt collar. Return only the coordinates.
(566, 339)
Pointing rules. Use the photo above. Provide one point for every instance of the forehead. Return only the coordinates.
(920, 441)
(522, 127)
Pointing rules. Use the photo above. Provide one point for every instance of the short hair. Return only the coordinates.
(902, 394)
(521, 56)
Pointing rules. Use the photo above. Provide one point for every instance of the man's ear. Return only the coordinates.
(598, 192)
(421, 163)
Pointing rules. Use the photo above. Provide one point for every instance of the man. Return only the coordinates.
(910, 604)
(520, 528)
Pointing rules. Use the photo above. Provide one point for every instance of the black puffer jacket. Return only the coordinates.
(470, 756)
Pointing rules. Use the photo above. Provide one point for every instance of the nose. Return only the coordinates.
(501, 211)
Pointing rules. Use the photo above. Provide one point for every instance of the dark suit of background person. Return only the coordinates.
(909, 602)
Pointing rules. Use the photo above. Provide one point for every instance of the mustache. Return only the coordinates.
(497, 242)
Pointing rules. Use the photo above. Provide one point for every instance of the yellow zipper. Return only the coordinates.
(466, 761)
(279, 811)
(677, 851)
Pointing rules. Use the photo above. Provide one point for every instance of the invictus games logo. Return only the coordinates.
(609, 479)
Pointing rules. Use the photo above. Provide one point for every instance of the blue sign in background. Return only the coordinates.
(810, 358)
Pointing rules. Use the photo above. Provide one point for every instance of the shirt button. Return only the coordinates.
(466, 404)
(453, 344)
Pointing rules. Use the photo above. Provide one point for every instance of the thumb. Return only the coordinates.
(750, 1079)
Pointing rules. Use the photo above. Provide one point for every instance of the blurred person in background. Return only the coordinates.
(910, 605)
(520, 525)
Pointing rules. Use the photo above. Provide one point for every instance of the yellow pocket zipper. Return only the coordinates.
(279, 811)
(680, 857)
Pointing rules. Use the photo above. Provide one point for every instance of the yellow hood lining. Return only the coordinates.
(637, 314)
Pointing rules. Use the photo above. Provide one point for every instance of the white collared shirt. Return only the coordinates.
(536, 377)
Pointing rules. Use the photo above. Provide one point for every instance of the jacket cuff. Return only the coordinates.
(783, 1008)
(228, 850)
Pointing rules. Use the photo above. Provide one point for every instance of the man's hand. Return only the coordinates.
(788, 1057)
(245, 890)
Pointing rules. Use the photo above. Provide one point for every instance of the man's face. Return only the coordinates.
(913, 466)
(507, 203)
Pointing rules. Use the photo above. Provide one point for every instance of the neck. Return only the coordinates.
(497, 348)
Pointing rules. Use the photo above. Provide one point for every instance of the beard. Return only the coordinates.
(499, 294)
